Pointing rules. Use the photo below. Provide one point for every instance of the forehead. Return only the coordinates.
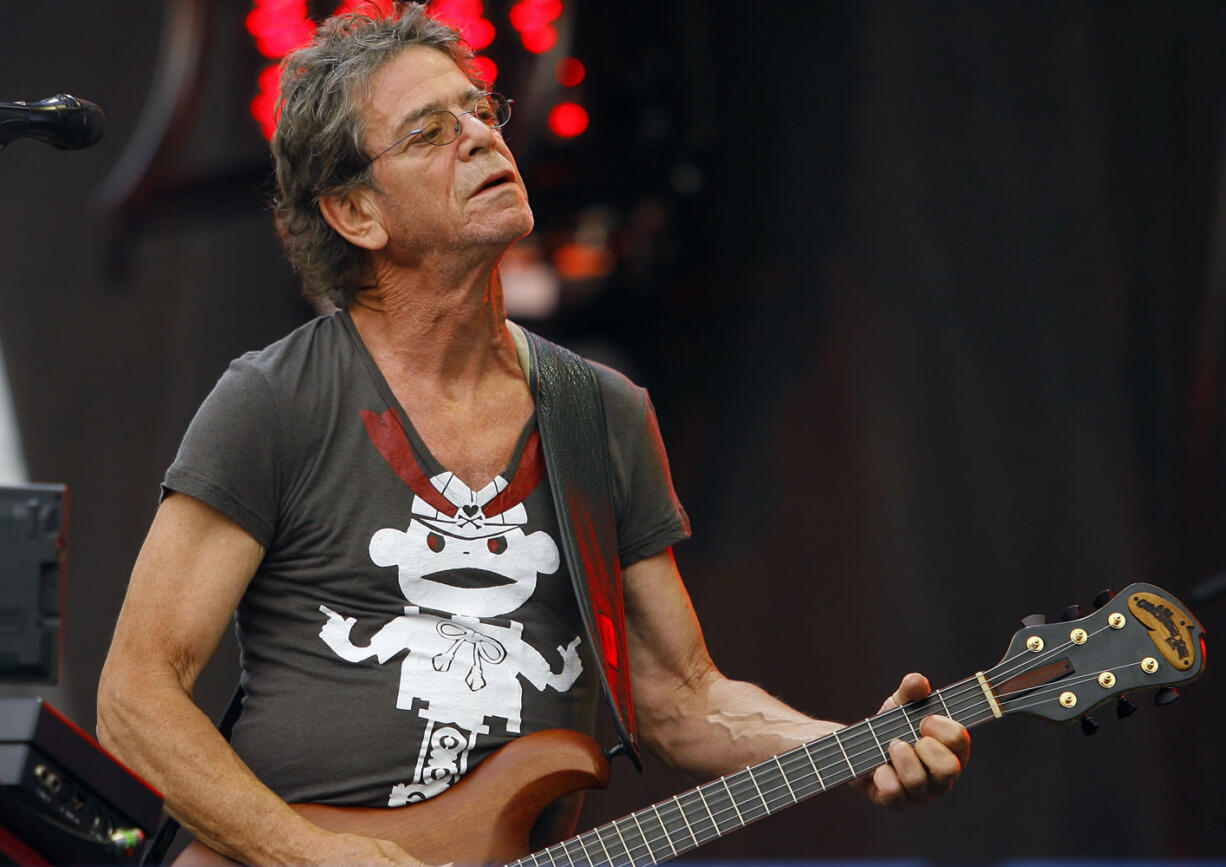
(417, 78)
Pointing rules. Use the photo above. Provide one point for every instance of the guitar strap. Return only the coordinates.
(570, 417)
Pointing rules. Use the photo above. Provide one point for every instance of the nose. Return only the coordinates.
(475, 135)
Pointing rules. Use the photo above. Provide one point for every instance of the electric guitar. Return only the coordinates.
(1142, 639)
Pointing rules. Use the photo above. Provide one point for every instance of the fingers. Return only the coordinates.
(951, 735)
(915, 775)
(912, 688)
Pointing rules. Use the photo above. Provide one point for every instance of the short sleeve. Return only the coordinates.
(228, 457)
(650, 516)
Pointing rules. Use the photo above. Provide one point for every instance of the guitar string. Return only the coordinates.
(802, 789)
(884, 722)
(721, 821)
(1043, 695)
(670, 829)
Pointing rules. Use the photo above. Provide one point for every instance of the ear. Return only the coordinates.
(356, 217)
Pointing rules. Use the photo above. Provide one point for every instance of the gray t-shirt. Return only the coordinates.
(401, 626)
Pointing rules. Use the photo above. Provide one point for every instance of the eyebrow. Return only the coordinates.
(413, 117)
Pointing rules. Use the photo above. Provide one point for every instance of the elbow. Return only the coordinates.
(670, 710)
(110, 710)
(128, 692)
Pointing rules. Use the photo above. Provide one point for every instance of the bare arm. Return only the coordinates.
(706, 725)
(190, 575)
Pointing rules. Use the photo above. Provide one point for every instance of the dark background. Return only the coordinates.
(929, 297)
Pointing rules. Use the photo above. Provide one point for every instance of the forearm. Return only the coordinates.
(712, 726)
(158, 731)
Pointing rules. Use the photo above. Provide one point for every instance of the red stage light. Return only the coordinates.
(487, 70)
(263, 107)
(279, 26)
(568, 119)
(541, 39)
(569, 72)
(528, 15)
(479, 33)
(450, 10)
(524, 17)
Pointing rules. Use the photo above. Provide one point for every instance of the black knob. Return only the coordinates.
(1103, 598)
(1033, 620)
(1089, 725)
(1125, 707)
(1165, 696)
(1073, 612)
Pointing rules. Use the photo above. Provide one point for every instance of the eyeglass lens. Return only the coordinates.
(442, 127)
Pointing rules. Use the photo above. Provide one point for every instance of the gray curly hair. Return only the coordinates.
(318, 145)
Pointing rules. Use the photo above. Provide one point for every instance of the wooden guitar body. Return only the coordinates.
(486, 818)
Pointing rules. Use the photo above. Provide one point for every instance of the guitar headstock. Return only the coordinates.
(1141, 639)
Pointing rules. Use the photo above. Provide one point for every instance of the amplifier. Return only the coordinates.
(63, 798)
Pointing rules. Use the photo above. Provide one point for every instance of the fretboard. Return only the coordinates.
(703, 814)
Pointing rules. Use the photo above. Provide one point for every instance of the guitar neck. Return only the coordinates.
(671, 828)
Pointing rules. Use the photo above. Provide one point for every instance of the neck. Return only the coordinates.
(436, 325)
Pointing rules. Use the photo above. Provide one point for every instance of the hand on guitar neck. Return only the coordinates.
(917, 774)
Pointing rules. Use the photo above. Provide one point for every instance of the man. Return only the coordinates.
(387, 455)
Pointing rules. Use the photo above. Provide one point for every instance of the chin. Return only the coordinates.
(509, 227)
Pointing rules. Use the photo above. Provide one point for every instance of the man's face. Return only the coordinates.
(440, 199)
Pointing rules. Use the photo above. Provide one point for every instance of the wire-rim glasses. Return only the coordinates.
(442, 127)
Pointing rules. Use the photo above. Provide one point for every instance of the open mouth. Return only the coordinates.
(469, 579)
(493, 183)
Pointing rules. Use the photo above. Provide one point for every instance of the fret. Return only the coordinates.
(884, 758)
(685, 819)
(846, 758)
(693, 801)
(646, 842)
(816, 772)
(786, 782)
(732, 800)
(603, 848)
(915, 736)
(753, 780)
(587, 856)
(622, 840)
(801, 782)
(939, 695)
(664, 828)
(566, 852)
(753, 807)
(714, 824)
(863, 746)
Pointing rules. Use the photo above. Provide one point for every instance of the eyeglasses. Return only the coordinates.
(443, 127)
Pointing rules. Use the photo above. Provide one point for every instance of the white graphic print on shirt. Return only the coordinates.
(460, 669)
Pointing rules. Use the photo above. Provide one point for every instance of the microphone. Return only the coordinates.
(61, 121)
